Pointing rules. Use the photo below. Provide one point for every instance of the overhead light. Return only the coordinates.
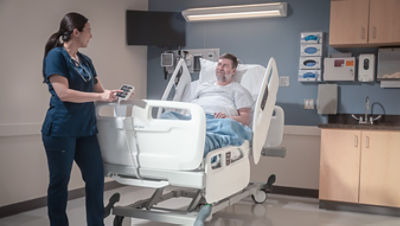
(273, 9)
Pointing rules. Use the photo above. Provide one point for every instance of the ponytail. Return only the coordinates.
(54, 41)
(69, 22)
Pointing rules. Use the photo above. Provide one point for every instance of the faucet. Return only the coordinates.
(367, 108)
(367, 119)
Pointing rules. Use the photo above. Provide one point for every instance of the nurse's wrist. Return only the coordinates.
(97, 97)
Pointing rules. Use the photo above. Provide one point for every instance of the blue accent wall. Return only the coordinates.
(254, 41)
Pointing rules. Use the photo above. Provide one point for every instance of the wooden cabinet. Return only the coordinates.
(339, 165)
(360, 166)
(349, 22)
(380, 168)
(384, 22)
(364, 23)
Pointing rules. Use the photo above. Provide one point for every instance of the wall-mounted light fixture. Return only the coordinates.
(273, 9)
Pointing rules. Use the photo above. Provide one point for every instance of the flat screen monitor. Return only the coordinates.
(155, 28)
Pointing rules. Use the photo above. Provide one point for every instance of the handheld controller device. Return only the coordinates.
(127, 92)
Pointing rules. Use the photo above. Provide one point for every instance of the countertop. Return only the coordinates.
(380, 126)
(345, 121)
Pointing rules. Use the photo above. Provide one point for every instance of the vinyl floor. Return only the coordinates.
(278, 210)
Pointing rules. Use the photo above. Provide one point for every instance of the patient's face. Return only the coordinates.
(224, 71)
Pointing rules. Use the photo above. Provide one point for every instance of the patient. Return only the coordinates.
(225, 98)
(227, 105)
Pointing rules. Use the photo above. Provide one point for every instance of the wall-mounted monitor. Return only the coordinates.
(155, 28)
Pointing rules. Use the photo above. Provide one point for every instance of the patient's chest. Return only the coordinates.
(214, 98)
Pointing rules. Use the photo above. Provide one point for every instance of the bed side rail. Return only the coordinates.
(168, 143)
(264, 108)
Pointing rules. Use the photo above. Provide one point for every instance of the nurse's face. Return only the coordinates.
(85, 35)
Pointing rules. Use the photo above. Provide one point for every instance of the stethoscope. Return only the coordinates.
(81, 69)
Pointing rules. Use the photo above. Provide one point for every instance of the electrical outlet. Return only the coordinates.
(309, 104)
(284, 81)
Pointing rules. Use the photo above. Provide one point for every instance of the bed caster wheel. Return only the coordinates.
(259, 197)
(118, 220)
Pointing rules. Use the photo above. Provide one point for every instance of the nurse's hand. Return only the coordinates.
(109, 95)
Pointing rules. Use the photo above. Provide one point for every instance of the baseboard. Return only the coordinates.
(16, 208)
(302, 192)
(360, 208)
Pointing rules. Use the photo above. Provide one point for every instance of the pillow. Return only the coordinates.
(207, 71)
(250, 76)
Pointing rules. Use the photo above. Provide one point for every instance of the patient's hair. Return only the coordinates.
(231, 57)
(67, 25)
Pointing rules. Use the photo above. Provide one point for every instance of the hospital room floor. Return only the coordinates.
(278, 210)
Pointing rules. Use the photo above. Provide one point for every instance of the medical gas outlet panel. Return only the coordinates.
(192, 57)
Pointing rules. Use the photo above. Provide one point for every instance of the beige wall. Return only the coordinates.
(25, 26)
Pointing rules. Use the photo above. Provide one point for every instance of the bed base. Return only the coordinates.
(196, 213)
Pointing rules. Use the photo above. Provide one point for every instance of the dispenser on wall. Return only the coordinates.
(366, 67)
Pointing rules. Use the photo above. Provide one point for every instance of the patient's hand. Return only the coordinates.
(220, 115)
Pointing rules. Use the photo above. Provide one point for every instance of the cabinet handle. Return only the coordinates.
(367, 141)
(373, 32)
(362, 33)
(355, 141)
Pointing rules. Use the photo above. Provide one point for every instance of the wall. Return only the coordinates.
(25, 27)
(254, 41)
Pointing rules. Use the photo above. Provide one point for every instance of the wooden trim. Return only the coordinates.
(20, 129)
(16, 208)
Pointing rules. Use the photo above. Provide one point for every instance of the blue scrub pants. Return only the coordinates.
(61, 152)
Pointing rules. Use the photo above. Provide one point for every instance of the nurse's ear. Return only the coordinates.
(75, 32)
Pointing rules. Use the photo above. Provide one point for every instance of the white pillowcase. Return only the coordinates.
(250, 76)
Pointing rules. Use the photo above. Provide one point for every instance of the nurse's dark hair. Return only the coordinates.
(67, 25)
(231, 57)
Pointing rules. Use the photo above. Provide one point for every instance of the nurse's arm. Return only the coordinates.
(61, 87)
(98, 87)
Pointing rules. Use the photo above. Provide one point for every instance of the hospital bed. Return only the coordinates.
(141, 149)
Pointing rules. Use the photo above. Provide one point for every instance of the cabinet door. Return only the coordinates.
(384, 22)
(380, 168)
(339, 165)
(348, 22)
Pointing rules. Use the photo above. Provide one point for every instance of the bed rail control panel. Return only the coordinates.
(127, 91)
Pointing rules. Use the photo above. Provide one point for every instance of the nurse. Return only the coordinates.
(69, 129)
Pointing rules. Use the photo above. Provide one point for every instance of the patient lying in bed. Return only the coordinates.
(224, 98)
(227, 105)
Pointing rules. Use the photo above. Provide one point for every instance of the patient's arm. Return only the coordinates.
(243, 117)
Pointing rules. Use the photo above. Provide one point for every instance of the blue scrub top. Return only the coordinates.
(66, 118)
